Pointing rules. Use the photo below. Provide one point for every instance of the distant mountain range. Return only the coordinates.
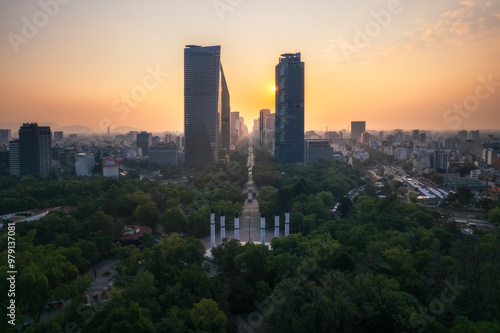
(73, 129)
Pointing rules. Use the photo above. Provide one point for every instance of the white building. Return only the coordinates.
(401, 154)
(360, 154)
(84, 163)
(110, 168)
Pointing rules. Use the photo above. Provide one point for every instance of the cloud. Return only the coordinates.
(463, 23)
(472, 20)
(476, 3)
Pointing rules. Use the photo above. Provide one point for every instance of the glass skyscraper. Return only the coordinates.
(206, 106)
(144, 141)
(35, 149)
(289, 124)
(357, 128)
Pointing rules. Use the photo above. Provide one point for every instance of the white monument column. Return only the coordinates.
(236, 227)
(262, 230)
(212, 229)
(222, 227)
(287, 224)
(276, 225)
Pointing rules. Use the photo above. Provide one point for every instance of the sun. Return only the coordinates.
(273, 88)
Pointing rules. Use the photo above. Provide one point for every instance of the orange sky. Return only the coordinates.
(416, 60)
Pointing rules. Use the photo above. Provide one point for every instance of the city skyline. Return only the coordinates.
(393, 64)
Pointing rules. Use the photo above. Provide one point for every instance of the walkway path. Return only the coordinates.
(250, 219)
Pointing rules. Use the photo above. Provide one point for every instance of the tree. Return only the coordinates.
(45, 275)
(494, 215)
(345, 206)
(207, 318)
(173, 220)
(437, 178)
(146, 215)
(254, 261)
(132, 319)
(462, 198)
(466, 169)
(34, 290)
(103, 242)
(99, 221)
(128, 266)
(224, 255)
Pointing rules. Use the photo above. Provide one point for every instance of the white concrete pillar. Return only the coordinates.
(276, 226)
(212, 229)
(287, 224)
(222, 227)
(262, 230)
(236, 227)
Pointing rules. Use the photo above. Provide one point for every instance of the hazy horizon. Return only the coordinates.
(394, 64)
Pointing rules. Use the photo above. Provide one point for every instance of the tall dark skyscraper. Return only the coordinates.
(144, 141)
(289, 124)
(357, 128)
(35, 149)
(207, 110)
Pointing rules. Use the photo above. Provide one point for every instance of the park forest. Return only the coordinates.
(375, 265)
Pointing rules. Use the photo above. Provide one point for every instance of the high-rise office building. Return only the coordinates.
(316, 149)
(14, 168)
(235, 127)
(225, 119)
(4, 162)
(144, 141)
(207, 112)
(58, 136)
(163, 153)
(5, 136)
(399, 137)
(365, 138)
(474, 135)
(243, 128)
(441, 160)
(35, 149)
(422, 137)
(415, 135)
(357, 128)
(264, 113)
(462, 135)
(289, 119)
